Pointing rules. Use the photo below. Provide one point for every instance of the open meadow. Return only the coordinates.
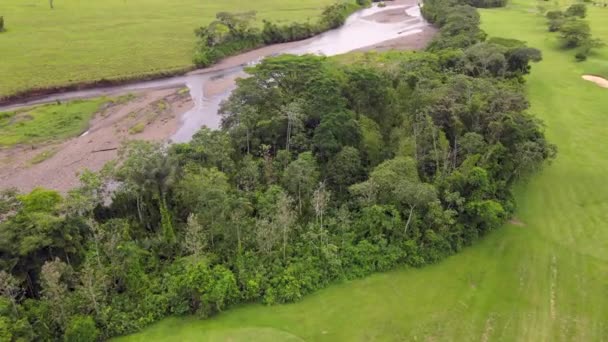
(544, 277)
(84, 41)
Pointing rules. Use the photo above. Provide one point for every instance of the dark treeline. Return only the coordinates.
(321, 172)
(233, 33)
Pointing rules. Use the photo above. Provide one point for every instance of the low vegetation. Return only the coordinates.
(233, 33)
(52, 122)
(44, 155)
(137, 128)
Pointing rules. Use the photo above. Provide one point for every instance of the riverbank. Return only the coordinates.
(153, 115)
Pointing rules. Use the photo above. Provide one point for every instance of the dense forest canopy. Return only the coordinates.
(322, 171)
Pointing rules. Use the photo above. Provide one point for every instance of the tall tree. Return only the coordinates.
(195, 238)
(301, 177)
(55, 290)
(9, 288)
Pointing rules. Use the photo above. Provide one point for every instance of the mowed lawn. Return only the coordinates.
(545, 280)
(90, 40)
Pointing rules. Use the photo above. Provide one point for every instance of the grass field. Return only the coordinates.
(545, 280)
(51, 122)
(90, 40)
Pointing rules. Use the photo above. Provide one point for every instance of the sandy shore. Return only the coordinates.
(416, 41)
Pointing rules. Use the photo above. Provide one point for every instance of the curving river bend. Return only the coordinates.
(360, 30)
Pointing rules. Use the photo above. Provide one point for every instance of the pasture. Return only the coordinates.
(540, 278)
(85, 41)
(47, 123)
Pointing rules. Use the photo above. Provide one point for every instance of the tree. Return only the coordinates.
(345, 169)
(576, 10)
(284, 219)
(195, 237)
(248, 174)
(587, 46)
(81, 329)
(9, 203)
(146, 171)
(55, 290)
(205, 193)
(335, 131)
(411, 195)
(91, 193)
(208, 148)
(574, 33)
(9, 288)
(38, 232)
(320, 200)
(379, 221)
(552, 15)
(294, 115)
(93, 285)
(301, 177)
(372, 143)
(276, 222)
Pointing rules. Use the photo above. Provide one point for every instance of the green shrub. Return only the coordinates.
(554, 15)
(574, 33)
(581, 56)
(577, 10)
(137, 128)
(231, 33)
(81, 329)
(556, 24)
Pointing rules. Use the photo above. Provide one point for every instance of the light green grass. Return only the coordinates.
(52, 122)
(545, 281)
(90, 40)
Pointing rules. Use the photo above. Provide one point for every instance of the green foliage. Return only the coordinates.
(320, 172)
(459, 25)
(551, 15)
(81, 329)
(574, 33)
(576, 10)
(100, 38)
(46, 123)
(137, 128)
(2, 29)
(486, 289)
(232, 33)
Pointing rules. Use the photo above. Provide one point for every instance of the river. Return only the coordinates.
(397, 25)
(361, 29)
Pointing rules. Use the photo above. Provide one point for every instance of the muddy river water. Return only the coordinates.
(362, 29)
